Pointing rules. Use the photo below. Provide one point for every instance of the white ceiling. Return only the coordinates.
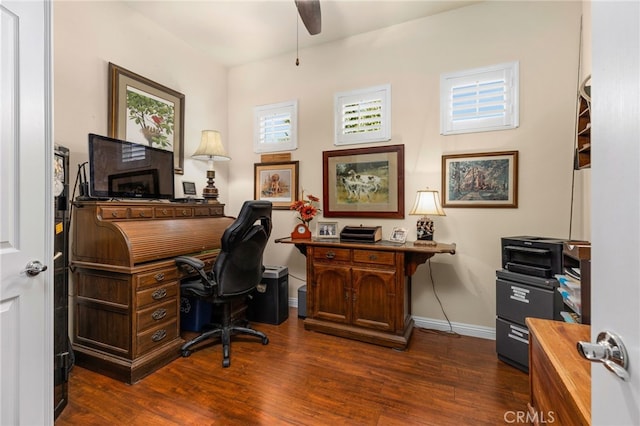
(235, 32)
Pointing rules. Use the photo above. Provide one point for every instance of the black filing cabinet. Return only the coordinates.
(525, 287)
(62, 351)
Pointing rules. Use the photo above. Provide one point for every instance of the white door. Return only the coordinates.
(26, 214)
(615, 224)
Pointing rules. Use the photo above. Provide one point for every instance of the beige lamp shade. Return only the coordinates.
(210, 147)
(427, 203)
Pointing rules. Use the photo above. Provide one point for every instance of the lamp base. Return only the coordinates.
(424, 243)
(424, 229)
(210, 192)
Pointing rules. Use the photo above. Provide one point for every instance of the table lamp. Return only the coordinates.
(427, 203)
(211, 149)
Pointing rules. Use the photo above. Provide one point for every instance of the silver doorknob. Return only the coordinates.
(34, 267)
(608, 350)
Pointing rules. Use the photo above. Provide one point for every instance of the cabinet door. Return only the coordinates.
(373, 298)
(331, 293)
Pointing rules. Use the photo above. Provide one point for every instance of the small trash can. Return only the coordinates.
(302, 302)
(269, 302)
(194, 313)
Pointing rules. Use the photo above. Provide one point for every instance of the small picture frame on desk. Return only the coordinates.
(189, 189)
(327, 230)
(398, 235)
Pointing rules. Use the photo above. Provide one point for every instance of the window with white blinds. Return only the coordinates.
(275, 127)
(480, 100)
(363, 116)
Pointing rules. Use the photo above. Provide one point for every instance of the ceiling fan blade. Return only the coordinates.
(309, 11)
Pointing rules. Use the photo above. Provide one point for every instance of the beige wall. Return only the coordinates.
(89, 35)
(543, 36)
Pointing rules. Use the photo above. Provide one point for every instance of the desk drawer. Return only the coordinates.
(184, 212)
(141, 213)
(331, 253)
(111, 213)
(162, 212)
(157, 277)
(512, 342)
(161, 293)
(156, 336)
(517, 301)
(374, 257)
(157, 314)
(201, 211)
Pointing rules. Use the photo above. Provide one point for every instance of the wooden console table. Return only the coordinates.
(559, 378)
(362, 291)
(127, 301)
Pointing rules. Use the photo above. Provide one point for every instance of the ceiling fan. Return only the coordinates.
(309, 11)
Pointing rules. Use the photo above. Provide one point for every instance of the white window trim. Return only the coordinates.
(509, 120)
(260, 112)
(377, 93)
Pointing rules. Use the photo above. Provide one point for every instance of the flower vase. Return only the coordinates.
(301, 232)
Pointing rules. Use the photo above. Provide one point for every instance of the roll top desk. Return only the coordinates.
(126, 284)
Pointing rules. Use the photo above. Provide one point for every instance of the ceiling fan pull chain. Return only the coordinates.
(297, 33)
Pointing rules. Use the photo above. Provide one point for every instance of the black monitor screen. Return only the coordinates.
(121, 169)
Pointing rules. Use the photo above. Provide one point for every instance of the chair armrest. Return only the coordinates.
(194, 262)
(197, 265)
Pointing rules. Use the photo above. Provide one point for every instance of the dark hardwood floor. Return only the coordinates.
(308, 378)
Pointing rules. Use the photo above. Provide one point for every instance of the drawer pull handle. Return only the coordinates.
(372, 257)
(141, 214)
(160, 293)
(164, 211)
(114, 214)
(159, 276)
(184, 212)
(330, 255)
(159, 314)
(159, 335)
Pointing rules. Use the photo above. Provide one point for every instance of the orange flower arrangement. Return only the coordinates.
(306, 208)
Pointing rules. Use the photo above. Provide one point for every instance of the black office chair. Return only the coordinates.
(236, 272)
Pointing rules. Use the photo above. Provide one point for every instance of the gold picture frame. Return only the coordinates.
(487, 179)
(276, 182)
(145, 112)
(364, 182)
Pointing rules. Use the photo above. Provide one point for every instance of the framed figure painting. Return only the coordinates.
(488, 179)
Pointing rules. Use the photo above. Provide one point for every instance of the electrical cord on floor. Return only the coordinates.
(431, 330)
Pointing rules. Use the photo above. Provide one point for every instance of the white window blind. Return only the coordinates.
(133, 152)
(363, 115)
(275, 127)
(479, 100)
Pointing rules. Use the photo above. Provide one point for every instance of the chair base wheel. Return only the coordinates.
(186, 353)
(265, 341)
(226, 363)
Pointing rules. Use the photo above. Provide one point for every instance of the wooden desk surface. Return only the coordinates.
(380, 245)
(414, 255)
(567, 370)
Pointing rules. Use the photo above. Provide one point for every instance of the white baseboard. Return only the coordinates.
(436, 324)
(460, 328)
